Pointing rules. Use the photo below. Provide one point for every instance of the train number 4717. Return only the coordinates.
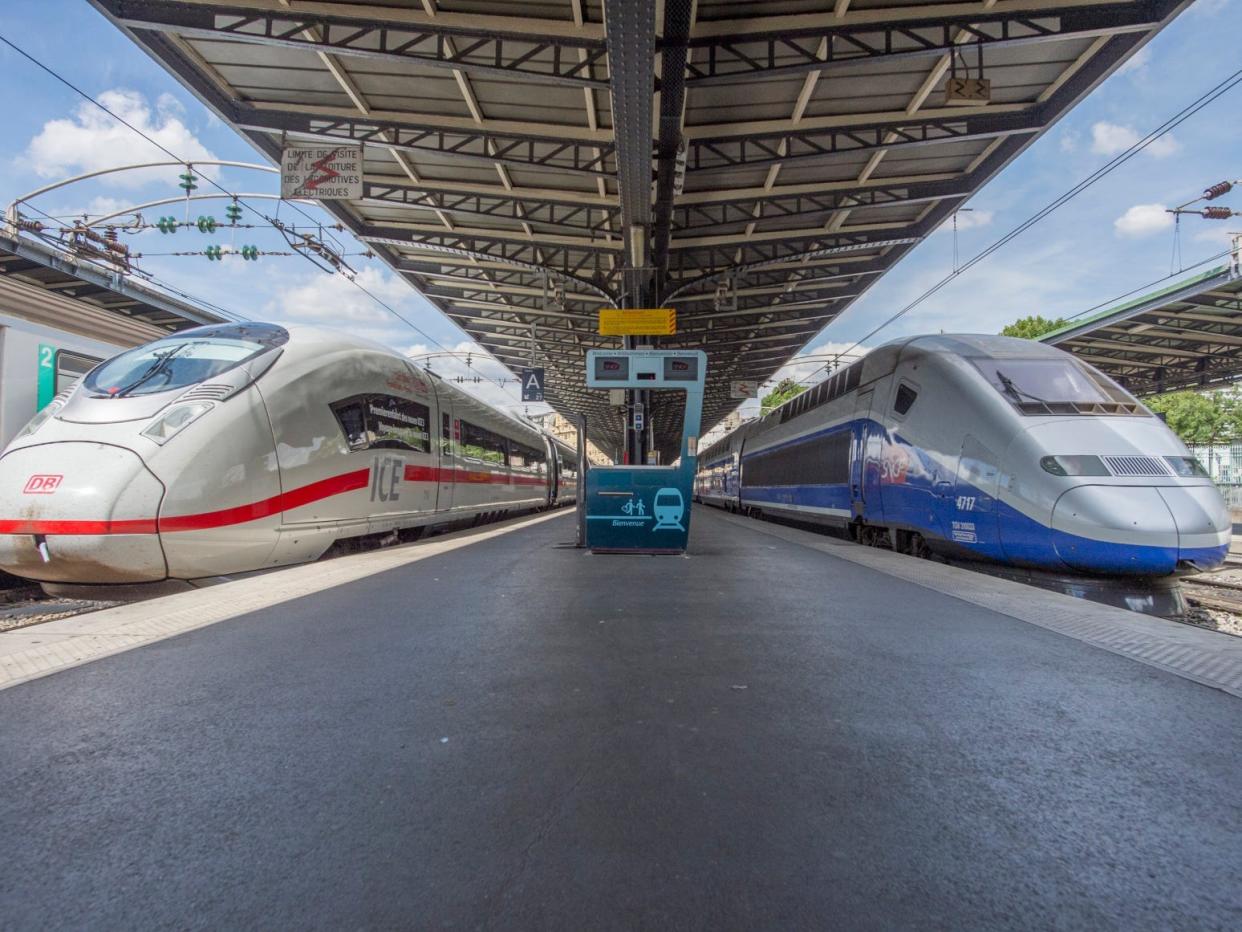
(966, 503)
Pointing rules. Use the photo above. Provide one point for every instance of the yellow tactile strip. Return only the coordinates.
(1208, 657)
(29, 653)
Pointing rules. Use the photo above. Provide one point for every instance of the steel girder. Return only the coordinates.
(570, 260)
(524, 55)
(722, 258)
(692, 217)
(566, 216)
(631, 63)
(729, 59)
(765, 147)
(515, 150)
(677, 16)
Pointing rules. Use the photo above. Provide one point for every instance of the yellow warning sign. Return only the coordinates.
(634, 322)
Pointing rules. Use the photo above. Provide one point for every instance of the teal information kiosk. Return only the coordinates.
(646, 509)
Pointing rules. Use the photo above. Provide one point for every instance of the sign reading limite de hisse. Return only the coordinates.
(633, 322)
(743, 388)
(321, 171)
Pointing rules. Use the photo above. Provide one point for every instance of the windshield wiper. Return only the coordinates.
(1012, 388)
(159, 367)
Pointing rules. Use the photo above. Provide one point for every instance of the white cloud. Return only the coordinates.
(1113, 139)
(92, 140)
(968, 218)
(1207, 7)
(1220, 236)
(1138, 61)
(1069, 141)
(336, 301)
(1143, 220)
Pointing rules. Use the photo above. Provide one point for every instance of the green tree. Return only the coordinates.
(785, 389)
(1033, 327)
(1210, 417)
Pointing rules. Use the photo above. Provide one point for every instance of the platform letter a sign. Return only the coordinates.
(532, 385)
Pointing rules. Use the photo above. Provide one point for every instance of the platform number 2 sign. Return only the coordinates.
(46, 389)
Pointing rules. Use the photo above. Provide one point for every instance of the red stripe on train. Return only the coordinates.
(135, 526)
(316, 491)
(285, 501)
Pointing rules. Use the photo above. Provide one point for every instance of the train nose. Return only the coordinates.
(79, 512)
(1141, 530)
(1204, 524)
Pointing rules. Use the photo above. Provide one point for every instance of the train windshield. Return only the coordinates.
(183, 360)
(1056, 386)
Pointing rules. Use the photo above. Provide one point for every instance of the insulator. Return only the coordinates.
(111, 235)
(1217, 213)
(1216, 190)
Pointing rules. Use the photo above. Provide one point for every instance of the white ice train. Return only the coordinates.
(236, 447)
(982, 448)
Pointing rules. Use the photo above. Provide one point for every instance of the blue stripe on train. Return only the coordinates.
(1024, 541)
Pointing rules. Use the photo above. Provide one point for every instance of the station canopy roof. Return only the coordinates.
(522, 156)
(1188, 335)
(57, 272)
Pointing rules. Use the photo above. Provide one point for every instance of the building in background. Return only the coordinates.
(567, 432)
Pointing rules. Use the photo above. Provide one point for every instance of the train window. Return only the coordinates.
(853, 376)
(524, 457)
(482, 444)
(820, 461)
(352, 417)
(183, 359)
(70, 367)
(446, 435)
(904, 399)
(398, 424)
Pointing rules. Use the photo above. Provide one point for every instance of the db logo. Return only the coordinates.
(42, 485)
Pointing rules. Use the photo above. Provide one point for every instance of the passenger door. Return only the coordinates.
(859, 466)
(972, 520)
(447, 459)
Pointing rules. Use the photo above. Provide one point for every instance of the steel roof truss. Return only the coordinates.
(530, 57)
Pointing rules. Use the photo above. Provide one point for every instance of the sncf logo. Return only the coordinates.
(42, 485)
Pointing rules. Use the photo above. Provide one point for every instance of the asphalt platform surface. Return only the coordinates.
(517, 735)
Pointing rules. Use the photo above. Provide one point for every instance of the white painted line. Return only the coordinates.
(40, 650)
(1208, 657)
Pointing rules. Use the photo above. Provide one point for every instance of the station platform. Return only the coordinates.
(494, 730)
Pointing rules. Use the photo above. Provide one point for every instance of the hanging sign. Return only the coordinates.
(634, 322)
(743, 389)
(532, 384)
(321, 171)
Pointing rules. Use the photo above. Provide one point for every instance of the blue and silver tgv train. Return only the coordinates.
(982, 448)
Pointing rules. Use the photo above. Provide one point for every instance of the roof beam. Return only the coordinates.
(677, 21)
(546, 146)
(630, 30)
(511, 48)
(570, 217)
(752, 146)
(900, 33)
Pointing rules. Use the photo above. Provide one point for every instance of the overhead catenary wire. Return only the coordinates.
(1116, 162)
(276, 225)
(169, 287)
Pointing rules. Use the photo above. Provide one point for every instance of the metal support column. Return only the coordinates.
(630, 30)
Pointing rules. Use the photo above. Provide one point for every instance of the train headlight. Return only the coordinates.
(46, 414)
(1074, 466)
(175, 420)
(1187, 467)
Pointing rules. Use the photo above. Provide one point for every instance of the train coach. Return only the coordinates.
(980, 448)
(236, 447)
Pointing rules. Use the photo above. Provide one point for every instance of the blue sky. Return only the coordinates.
(1111, 239)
